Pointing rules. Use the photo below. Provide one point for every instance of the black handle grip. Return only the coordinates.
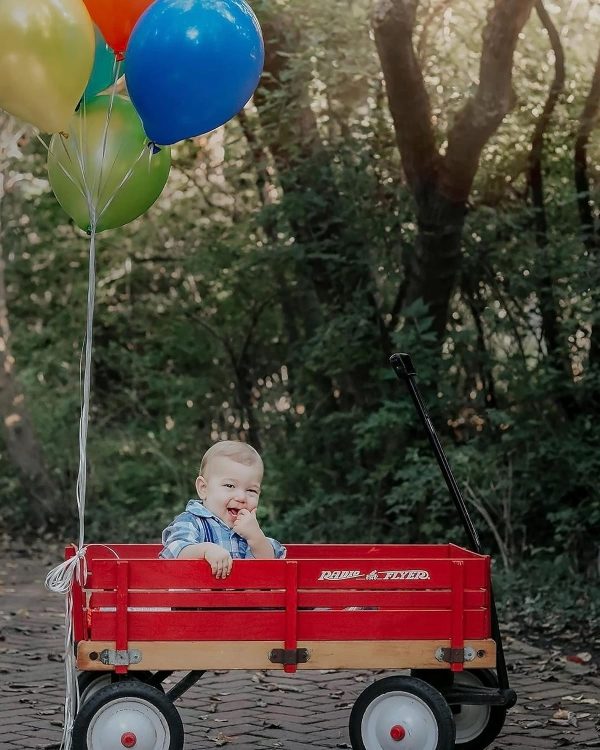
(403, 366)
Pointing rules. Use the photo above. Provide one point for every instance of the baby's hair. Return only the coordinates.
(233, 449)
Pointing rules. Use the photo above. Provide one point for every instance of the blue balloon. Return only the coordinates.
(191, 65)
(104, 70)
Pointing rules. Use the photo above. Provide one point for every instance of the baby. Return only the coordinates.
(221, 525)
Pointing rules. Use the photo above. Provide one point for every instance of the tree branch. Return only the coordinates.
(393, 24)
(493, 99)
(589, 231)
(582, 182)
(536, 186)
(534, 177)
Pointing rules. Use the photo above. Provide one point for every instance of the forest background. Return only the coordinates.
(410, 176)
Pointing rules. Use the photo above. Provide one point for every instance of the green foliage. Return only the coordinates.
(260, 305)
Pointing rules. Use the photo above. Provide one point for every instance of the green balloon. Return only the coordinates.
(105, 168)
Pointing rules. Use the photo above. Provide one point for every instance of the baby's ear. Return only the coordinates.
(201, 487)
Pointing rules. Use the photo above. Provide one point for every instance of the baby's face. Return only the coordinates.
(229, 486)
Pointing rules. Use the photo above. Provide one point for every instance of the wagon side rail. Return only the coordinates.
(307, 613)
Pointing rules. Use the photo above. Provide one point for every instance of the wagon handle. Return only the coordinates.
(405, 370)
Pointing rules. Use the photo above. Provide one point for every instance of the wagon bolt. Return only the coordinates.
(397, 733)
(128, 739)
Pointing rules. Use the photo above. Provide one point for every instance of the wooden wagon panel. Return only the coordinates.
(321, 594)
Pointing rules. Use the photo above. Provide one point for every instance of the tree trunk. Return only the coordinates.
(436, 260)
(441, 183)
(548, 306)
(22, 444)
(589, 230)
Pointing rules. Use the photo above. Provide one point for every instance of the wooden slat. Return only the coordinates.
(381, 625)
(368, 551)
(255, 655)
(122, 551)
(388, 599)
(306, 599)
(121, 615)
(312, 625)
(79, 617)
(291, 610)
(185, 626)
(198, 599)
(388, 574)
(188, 574)
(303, 551)
(458, 604)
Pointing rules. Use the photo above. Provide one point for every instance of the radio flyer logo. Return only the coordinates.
(374, 575)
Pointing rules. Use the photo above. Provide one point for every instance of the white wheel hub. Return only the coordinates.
(399, 720)
(128, 722)
(470, 720)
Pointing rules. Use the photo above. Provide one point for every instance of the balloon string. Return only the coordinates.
(42, 141)
(60, 578)
(113, 91)
(77, 183)
(85, 407)
(80, 148)
(123, 181)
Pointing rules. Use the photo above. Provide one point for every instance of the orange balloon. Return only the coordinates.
(116, 19)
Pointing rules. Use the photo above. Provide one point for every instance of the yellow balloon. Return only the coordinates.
(46, 57)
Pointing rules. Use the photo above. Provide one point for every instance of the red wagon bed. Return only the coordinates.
(325, 606)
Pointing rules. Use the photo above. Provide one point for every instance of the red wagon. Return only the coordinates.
(427, 608)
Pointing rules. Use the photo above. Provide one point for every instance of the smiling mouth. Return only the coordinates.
(233, 511)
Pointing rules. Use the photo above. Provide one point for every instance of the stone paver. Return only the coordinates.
(558, 706)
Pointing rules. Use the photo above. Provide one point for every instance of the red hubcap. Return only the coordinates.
(128, 739)
(397, 733)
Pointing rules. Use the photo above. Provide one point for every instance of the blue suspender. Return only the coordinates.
(208, 532)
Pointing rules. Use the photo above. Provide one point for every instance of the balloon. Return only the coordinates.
(116, 19)
(104, 70)
(191, 65)
(46, 56)
(123, 177)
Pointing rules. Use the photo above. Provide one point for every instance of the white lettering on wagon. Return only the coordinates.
(375, 575)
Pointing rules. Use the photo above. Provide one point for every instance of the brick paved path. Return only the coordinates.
(559, 701)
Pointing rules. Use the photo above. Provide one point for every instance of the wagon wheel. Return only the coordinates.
(91, 682)
(477, 726)
(401, 713)
(128, 714)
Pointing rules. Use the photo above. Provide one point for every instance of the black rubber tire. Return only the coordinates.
(86, 679)
(118, 692)
(496, 717)
(410, 687)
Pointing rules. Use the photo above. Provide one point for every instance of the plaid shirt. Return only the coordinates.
(197, 524)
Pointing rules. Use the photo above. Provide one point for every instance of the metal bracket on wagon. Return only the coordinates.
(120, 658)
(455, 655)
(289, 655)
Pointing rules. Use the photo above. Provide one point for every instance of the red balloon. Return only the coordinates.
(116, 19)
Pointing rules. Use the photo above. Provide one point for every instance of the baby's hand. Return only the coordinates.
(246, 525)
(219, 560)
